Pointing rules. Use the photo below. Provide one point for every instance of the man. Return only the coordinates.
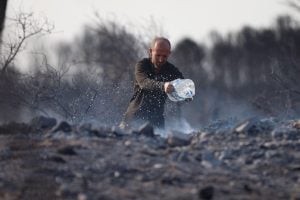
(152, 83)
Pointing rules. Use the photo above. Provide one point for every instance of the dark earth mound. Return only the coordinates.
(256, 159)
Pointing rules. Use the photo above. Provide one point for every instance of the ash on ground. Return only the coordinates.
(45, 159)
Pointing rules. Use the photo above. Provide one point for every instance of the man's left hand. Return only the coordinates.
(168, 87)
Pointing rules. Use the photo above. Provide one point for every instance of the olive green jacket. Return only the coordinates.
(147, 102)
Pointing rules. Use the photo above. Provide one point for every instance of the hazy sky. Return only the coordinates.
(178, 18)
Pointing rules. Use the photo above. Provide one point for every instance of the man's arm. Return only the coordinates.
(143, 79)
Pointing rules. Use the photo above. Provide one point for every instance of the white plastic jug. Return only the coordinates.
(183, 89)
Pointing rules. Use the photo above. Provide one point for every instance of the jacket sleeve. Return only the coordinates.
(144, 80)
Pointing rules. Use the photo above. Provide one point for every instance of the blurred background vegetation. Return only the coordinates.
(250, 72)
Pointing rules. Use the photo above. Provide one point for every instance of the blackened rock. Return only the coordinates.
(119, 132)
(198, 157)
(85, 130)
(206, 193)
(63, 126)
(42, 123)
(177, 139)
(171, 181)
(248, 188)
(255, 126)
(147, 130)
(102, 132)
(56, 159)
(67, 150)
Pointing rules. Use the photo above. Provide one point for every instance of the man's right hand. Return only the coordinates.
(168, 87)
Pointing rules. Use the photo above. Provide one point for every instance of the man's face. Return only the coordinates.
(160, 53)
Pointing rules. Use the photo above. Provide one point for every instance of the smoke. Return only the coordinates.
(182, 125)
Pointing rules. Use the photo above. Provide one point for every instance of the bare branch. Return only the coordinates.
(27, 26)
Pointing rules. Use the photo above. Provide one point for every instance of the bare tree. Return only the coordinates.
(12, 83)
(25, 26)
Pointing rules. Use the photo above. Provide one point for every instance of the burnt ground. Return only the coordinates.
(255, 159)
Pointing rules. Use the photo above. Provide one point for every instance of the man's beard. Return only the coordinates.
(159, 65)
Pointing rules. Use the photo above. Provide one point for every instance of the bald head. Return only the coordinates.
(160, 51)
(161, 41)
